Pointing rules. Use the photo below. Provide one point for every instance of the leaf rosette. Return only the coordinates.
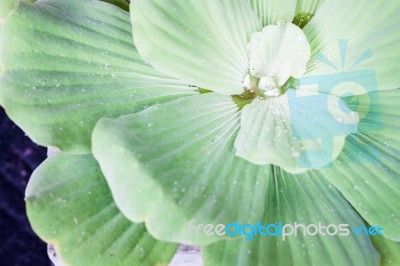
(198, 110)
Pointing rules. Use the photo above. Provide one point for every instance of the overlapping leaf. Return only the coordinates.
(70, 205)
(65, 64)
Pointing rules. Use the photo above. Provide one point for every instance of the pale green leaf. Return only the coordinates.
(6, 7)
(70, 205)
(65, 64)
(176, 162)
(367, 172)
(120, 3)
(305, 11)
(305, 200)
(389, 250)
(356, 35)
(272, 11)
(308, 6)
(295, 131)
(201, 42)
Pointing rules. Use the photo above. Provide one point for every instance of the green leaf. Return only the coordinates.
(120, 3)
(389, 250)
(7, 5)
(305, 11)
(66, 64)
(305, 200)
(272, 11)
(294, 131)
(367, 172)
(201, 42)
(176, 163)
(70, 205)
(369, 34)
(308, 6)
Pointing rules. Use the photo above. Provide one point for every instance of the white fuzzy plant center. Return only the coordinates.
(276, 123)
(277, 53)
(268, 86)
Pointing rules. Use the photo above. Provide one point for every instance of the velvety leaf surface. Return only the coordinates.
(201, 42)
(305, 200)
(176, 162)
(287, 131)
(120, 3)
(7, 5)
(272, 11)
(70, 205)
(367, 171)
(305, 11)
(347, 36)
(71, 63)
(308, 6)
(389, 250)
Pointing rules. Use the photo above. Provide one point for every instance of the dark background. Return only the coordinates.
(19, 156)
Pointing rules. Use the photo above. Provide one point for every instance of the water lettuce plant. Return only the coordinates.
(206, 111)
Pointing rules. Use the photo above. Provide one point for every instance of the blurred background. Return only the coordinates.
(19, 156)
